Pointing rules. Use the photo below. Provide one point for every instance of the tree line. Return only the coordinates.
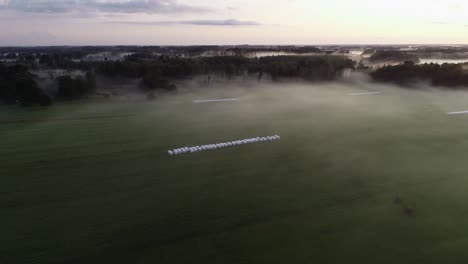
(18, 85)
(447, 75)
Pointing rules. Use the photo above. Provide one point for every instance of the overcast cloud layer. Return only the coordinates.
(227, 22)
(107, 6)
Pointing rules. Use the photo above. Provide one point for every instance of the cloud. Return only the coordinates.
(103, 6)
(228, 22)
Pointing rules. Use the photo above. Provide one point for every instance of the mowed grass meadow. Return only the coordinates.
(91, 182)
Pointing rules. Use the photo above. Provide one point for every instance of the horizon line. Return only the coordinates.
(225, 45)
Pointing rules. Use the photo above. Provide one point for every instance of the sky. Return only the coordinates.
(232, 22)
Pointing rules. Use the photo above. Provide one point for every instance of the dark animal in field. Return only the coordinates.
(408, 211)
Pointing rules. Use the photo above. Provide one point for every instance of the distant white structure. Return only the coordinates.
(215, 100)
(360, 94)
(185, 150)
(458, 113)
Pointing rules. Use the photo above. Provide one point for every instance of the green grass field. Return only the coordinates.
(92, 182)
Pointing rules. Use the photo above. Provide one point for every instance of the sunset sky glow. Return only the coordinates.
(229, 22)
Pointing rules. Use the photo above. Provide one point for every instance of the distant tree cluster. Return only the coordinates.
(158, 72)
(70, 88)
(393, 56)
(312, 68)
(17, 85)
(449, 75)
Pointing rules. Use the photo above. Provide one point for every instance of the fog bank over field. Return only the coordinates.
(341, 163)
(276, 97)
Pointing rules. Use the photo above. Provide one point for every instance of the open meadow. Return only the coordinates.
(92, 182)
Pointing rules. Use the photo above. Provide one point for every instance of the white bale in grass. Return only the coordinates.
(170, 152)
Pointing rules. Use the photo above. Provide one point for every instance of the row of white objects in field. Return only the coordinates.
(194, 149)
(458, 113)
(216, 100)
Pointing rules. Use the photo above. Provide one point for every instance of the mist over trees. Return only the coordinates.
(73, 73)
(393, 56)
(156, 70)
(17, 85)
(70, 88)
